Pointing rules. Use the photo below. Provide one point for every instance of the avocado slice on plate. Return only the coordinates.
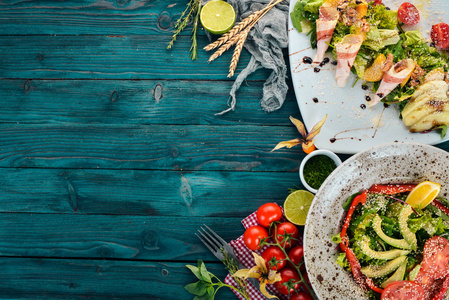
(398, 243)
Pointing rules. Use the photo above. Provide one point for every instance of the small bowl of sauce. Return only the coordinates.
(316, 167)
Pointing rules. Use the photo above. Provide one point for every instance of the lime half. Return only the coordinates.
(297, 205)
(217, 16)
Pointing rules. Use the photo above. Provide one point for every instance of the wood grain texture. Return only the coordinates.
(32, 278)
(112, 237)
(124, 17)
(134, 192)
(168, 147)
(135, 102)
(111, 57)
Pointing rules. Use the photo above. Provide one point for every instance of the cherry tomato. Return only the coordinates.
(440, 35)
(268, 213)
(253, 235)
(400, 290)
(301, 296)
(287, 274)
(296, 254)
(272, 253)
(377, 2)
(408, 14)
(291, 230)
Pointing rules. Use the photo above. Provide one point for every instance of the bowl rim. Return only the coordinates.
(349, 161)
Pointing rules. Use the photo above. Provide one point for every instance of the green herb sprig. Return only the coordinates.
(193, 9)
(232, 266)
(209, 284)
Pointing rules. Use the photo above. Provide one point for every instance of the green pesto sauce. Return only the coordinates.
(317, 169)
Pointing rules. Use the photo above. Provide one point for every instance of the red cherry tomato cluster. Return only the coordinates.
(271, 228)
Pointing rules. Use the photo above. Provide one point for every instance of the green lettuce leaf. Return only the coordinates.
(297, 14)
(412, 37)
(342, 261)
(313, 6)
(360, 65)
(381, 17)
(377, 39)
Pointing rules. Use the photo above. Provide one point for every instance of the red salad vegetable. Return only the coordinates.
(391, 189)
(440, 35)
(357, 200)
(408, 14)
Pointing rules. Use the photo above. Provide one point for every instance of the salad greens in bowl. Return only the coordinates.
(378, 228)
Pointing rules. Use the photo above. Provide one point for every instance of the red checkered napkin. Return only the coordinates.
(245, 256)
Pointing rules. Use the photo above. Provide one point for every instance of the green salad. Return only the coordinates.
(396, 235)
(367, 39)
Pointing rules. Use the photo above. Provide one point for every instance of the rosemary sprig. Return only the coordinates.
(232, 266)
(192, 10)
(194, 47)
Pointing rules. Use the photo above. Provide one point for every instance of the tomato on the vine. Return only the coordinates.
(306, 278)
(253, 235)
(296, 255)
(301, 296)
(268, 213)
(288, 229)
(271, 254)
(288, 274)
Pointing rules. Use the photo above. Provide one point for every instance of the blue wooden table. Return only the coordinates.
(111, 156)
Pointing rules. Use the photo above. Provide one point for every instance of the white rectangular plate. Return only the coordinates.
(349, 128)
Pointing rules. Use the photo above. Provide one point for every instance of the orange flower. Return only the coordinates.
(306, 139)
(260, 272)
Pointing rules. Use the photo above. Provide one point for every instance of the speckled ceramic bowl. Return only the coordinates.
(390, 163)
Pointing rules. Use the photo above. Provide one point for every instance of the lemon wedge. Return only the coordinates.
(423, 194)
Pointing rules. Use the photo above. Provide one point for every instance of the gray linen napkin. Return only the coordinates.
(265, 43)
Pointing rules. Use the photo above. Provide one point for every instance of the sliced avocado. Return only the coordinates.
(377, 226)
(375, 271)
(408, 235)
(397, 276)
(413, 273)
(382, 255)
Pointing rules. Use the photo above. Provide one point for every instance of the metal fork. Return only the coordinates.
(215, 243)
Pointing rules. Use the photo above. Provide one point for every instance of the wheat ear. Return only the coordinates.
(237, 51)
(226, 46)
(242, 39)
(234, 31)
(238, 28)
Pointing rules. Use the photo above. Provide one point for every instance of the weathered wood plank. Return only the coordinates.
(111, 57)
(134, 192)
(31, 278)
(113, 237)
(89, 17)
(168, 147)
(137, 102)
